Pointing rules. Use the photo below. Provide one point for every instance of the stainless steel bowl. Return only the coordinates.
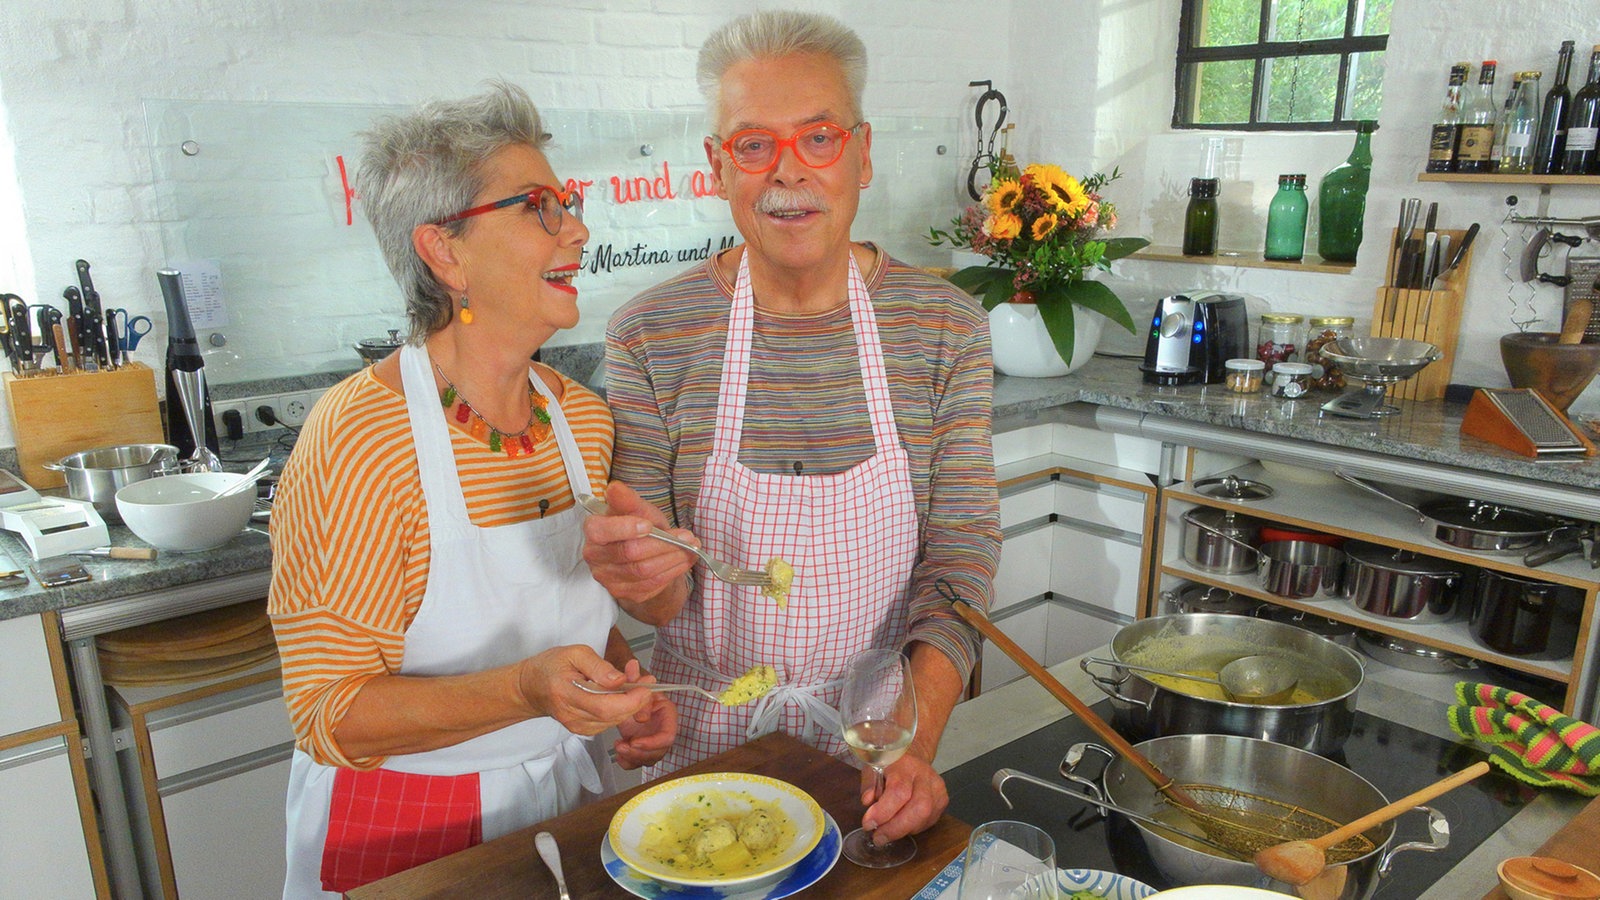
(96, 475)
(1380, 359)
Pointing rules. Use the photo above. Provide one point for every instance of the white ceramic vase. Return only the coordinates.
(1022, 346)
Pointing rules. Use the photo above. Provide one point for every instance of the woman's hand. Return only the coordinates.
(644, 575)
(546, 684)
(913, 799)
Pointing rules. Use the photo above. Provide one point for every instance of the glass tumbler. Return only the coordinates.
(1008, 860)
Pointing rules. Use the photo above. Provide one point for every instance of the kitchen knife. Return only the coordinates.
(21, 332)
(1430, 257)
(114, 342)
(80, 342)
(5, 333)
(1431, 221)
(1409, 208)
(94, 312)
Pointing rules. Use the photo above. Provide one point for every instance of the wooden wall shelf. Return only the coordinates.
(1496, 178)
(1244, 260)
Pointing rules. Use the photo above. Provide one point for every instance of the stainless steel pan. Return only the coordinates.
(1473, 524)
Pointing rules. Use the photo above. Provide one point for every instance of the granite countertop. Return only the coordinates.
(1424, 431)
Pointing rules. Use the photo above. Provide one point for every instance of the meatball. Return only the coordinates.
(710, 839)
(758, 830)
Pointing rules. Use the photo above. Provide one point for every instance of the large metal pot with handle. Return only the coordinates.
(1399, 584)
(1317, 719)
(96, 475)
(1256, 767)
(1475, 525)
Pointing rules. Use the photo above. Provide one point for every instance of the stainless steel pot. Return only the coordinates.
(1410, 655)
(1194, 597)
(96, 475)
(1259, 767)
(1341, 633)
(374, 350)
(1398, 584)
(1301, 569)
(1526, 618)
(1475, 525)
(1219, 540)
(1143, 708)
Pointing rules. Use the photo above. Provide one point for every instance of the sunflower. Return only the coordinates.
(1066, 195)
(1004, 196)
(1043, 226)
(1003, 226)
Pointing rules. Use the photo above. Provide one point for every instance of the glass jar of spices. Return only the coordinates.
(1322, 331)
(1244, 375)
(1289, 380)
(1278, 339)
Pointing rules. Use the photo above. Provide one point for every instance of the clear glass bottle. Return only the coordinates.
(1342, 200)
(1552, 140)
(1447, 127)
(1521, 126)
(1278, 339)
(1498, 148)
(1478, 116)
(1320, 332)
(1286, 219)
(1200, 219)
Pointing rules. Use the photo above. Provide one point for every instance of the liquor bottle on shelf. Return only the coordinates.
(1520, 126)
(1446, 128)
(1498, 148)
(1478, 115)
(1552, 140)
(1584, 125)
(1342, 199)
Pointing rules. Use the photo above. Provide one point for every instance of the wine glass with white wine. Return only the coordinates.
(878, 709)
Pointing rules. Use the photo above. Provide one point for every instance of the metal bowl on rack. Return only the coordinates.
(1377, 362)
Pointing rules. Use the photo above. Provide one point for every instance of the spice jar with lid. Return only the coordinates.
(1278, 339)
(1244, 375)
(1289, 380)
(1320, 332)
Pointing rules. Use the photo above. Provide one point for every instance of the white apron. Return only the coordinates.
(852, 538)
(494, 596)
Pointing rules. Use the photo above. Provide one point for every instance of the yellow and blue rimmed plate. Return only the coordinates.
(628, 825)
(807, 872)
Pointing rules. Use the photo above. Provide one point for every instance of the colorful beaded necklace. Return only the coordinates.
(519, 443)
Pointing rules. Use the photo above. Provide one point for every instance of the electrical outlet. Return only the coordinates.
(292, 410)
(238, 406)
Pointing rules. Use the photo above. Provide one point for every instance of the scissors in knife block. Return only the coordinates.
(46, 318)
(134, 328)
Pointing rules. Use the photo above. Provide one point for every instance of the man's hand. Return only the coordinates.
(648, 735)
(913, 799)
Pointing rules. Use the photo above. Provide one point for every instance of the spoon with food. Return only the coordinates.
(754, 684)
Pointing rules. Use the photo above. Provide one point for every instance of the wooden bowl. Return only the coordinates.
(1559, 371)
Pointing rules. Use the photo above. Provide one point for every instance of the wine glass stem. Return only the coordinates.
(878, 785)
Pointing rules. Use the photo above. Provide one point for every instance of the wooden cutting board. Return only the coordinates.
(172, 638)
(129, 672)
(1574, 843)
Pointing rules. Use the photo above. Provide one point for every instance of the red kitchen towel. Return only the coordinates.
(382, 822)
(1532, 742)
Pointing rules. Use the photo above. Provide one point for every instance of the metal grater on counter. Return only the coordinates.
(1535, 418)
(1585, 273)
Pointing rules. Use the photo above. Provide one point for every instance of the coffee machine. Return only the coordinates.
(1191, 336)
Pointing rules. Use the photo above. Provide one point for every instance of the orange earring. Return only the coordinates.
(466, 311)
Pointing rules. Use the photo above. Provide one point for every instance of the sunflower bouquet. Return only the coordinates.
(1041, 231)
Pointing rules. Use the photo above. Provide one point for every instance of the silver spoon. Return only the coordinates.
(551, 854)
(248, 479)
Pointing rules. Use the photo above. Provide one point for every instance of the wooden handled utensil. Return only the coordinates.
(1299, 862)
(977, 619)
(1576, 321)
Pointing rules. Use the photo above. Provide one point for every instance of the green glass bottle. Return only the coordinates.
(1286, 219)
(1342, 200)
(1200, 219)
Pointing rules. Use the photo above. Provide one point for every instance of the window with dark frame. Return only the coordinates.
(1280, 65)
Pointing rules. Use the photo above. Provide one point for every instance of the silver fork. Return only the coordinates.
(590, 687)
(721, 570)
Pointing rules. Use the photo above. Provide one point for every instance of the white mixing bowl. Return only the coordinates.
(182, 512)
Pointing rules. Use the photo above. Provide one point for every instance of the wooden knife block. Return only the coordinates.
(1404, 313)
(57, 415)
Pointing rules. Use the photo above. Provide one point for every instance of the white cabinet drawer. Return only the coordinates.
(1096, 570)
(1099, 504)
(238, 819)
(42, 850)
(1070, 632)
(1022, 443)
(1024, 568)
(28, 699)
(1027, 628)
(201, 734)
(1034, 503)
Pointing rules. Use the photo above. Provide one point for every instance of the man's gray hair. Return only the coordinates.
(773, 33)
(421, 166)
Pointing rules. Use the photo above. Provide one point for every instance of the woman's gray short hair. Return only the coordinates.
(773, 33)
(421, 166)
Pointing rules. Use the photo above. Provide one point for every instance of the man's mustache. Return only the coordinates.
(781, 200)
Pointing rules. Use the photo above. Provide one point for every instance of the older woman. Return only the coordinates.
(429, 596)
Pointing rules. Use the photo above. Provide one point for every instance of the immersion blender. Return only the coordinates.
(188, 400)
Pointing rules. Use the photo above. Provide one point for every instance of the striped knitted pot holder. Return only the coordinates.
(1531, 741)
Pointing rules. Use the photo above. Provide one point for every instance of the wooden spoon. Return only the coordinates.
(976, 618)
(1298, 862)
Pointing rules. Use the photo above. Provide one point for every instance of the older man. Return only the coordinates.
(807, 398)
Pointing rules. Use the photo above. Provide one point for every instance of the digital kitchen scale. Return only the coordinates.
(1377, 363)
(52, 526)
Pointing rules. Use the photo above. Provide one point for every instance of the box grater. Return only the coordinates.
(1521, 420)
(1585, 273)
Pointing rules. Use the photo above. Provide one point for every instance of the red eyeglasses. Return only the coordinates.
(755, 150)
(548, 202)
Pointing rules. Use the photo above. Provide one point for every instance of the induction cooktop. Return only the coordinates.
(1393, 757)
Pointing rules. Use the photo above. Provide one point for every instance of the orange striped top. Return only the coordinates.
(350, 538)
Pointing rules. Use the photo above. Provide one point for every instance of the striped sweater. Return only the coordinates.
(350, 538)
(806, 407)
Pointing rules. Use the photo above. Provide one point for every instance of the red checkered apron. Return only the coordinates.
(852, 538)
(494, 596)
